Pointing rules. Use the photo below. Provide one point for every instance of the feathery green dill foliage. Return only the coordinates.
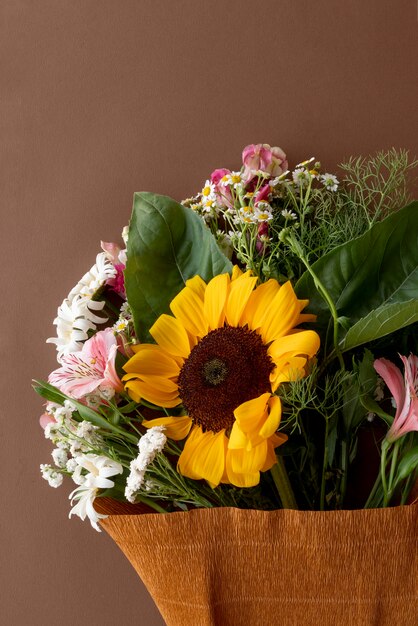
(371, 188)
(377, 184)
(305, 401)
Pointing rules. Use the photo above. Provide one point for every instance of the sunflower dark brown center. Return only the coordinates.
(227, 367)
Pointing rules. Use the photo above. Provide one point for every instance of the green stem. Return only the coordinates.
(324, 467)
(344, 469)
(149, 502)
(407, 489)
(371, 500)
(282, 482)
(391, 486)
(385, 446)
(325, 295)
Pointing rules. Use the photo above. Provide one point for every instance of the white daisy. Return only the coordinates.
(329, 181)
(233, 179)
(247, 215)
(304, 163)
(288, 215)
(263, 212)
(301, 177)
(208, 192)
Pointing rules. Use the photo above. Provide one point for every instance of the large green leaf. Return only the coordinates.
(366, 275)
(167, 245)
(383, 321)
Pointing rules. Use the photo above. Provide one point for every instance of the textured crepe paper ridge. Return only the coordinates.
(232, 567)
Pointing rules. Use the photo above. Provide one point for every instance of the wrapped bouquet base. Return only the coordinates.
(233, 567)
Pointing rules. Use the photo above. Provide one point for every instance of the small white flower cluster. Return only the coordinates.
(77, 314)
(72, 439)
(149, 446)
(51, 475)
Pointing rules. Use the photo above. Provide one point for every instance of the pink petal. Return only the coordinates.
(394, 380)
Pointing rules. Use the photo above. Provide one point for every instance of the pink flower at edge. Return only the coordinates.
(118, 282)
(263, 194)
(117, 257)
(262, 157)
(404, 390)
(223, 193)
(46, 419)
(94, 366)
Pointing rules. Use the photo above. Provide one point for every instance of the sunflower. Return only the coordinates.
(222, 355)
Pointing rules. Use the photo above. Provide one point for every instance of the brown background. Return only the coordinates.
(103, 98)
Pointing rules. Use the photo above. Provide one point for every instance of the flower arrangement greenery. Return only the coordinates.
(243, 345)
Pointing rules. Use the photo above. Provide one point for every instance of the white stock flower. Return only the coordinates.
(95, 278)
(51, 475)
(149, 446)
(77, 314)
(99, 469)
(75, 318)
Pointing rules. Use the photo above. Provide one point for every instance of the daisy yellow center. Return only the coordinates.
(229, 366)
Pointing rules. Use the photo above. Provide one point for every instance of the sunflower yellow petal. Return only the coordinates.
(304, 318)
(132, 393)
(215, 297)
(187, 307)
(237, 438)
(259, 303)
(170, 334)
(271, 458)
(151, 391)
(153, 362)
(198, 285)
(291, 371)
(236, 272)
(238, 479)
(278, 439)
(301, 342)
(282, 315)
(203, 456)
(273, 420)
(239, 293)
(249, 462)
(250, 413)
(176, 428)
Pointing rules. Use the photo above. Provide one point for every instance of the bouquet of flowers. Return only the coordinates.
(248, 348)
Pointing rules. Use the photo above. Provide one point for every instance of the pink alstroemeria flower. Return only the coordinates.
(404, 390)
(94, 366)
